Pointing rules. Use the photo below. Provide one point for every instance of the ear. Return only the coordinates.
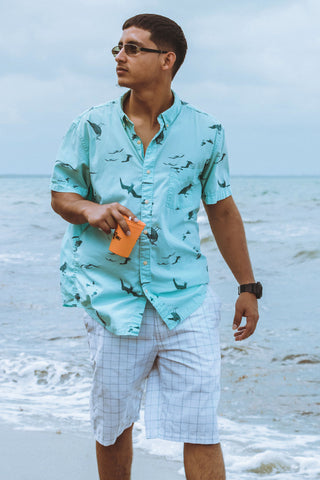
(168, 60)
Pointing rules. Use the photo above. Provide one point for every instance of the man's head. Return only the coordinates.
(164, 33)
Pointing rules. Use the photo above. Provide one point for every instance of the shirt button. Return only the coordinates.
(145, 232)
(148, 171)
(167, 125)
(138, 142)
(145, 263)
(146, 290)
(146, 201)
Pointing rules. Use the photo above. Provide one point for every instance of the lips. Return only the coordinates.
(121, 70)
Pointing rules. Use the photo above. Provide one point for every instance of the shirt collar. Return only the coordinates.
(168, 116)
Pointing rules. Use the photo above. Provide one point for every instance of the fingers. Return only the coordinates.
(246, 306)
(237, 319)
(118, 216)
(107, 217)
(244, 332)
(127, 212)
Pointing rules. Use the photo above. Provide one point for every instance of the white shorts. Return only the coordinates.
(180, 369)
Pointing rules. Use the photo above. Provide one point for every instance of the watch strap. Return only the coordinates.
(255, 288)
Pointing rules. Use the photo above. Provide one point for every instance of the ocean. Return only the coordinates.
(269, 412)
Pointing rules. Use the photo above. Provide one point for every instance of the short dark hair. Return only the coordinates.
(165, 33)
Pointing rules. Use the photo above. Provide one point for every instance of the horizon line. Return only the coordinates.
(48, 175)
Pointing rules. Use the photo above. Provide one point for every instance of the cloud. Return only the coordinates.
(252, 64)
(258, 66)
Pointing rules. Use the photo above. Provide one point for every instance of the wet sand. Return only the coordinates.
(38, 455)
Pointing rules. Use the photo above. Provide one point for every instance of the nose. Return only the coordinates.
(121, 55)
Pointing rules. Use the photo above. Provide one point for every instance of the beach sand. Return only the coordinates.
(38, 455)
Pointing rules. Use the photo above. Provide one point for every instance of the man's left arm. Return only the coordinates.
(227, 227)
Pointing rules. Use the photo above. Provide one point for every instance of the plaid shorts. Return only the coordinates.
(179, 371)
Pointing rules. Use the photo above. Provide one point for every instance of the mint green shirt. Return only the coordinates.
(102, 159)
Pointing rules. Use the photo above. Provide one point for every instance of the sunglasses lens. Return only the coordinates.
(130, 49)
(115, 50)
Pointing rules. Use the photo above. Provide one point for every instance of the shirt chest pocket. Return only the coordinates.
(184, 190)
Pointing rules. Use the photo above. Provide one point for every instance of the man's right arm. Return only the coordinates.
(73, 208)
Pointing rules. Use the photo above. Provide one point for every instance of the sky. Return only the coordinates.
(254, 65)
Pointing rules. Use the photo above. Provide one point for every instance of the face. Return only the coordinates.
(141, 70)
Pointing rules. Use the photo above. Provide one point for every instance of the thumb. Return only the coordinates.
(237, 319)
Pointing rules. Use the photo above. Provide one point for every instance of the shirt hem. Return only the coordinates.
(184, 313)
(56, 187)
(212, 199)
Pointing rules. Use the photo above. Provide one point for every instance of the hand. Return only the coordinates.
(246, 306)
(108, 216)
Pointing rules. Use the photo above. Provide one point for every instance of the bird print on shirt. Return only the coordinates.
(116, 151)
(204, 142)
(176, 260)
(175, 316)
(174, 166)
(177, 186)
(153, 236)
(179, 287)
(174, 157)
(113, 260)
(63, 267)
(89, 266)
(134, 329)
(112, 257)
(126, 260)
(77, 243)
(218, 127)
(184, 191)
(66, 165)
(129, 189)
(192, 214)
(187, 165)
(171, 255)
(96, 128)
(221, 159)
(184, 236)
(179, 168)
(129, 289)
(223, 184)
(127, 159)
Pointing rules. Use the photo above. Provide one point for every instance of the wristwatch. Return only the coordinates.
(255, 288)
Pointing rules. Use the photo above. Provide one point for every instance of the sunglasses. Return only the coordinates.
(132, 49)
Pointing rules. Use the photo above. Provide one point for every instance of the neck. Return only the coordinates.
(148, 104)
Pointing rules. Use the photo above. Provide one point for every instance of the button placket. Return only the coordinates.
(146, 213)
(149, 161)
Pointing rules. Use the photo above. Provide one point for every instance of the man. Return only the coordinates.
(152, 316)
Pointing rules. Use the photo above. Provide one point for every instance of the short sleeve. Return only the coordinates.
(215, 178)
(71, 169)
